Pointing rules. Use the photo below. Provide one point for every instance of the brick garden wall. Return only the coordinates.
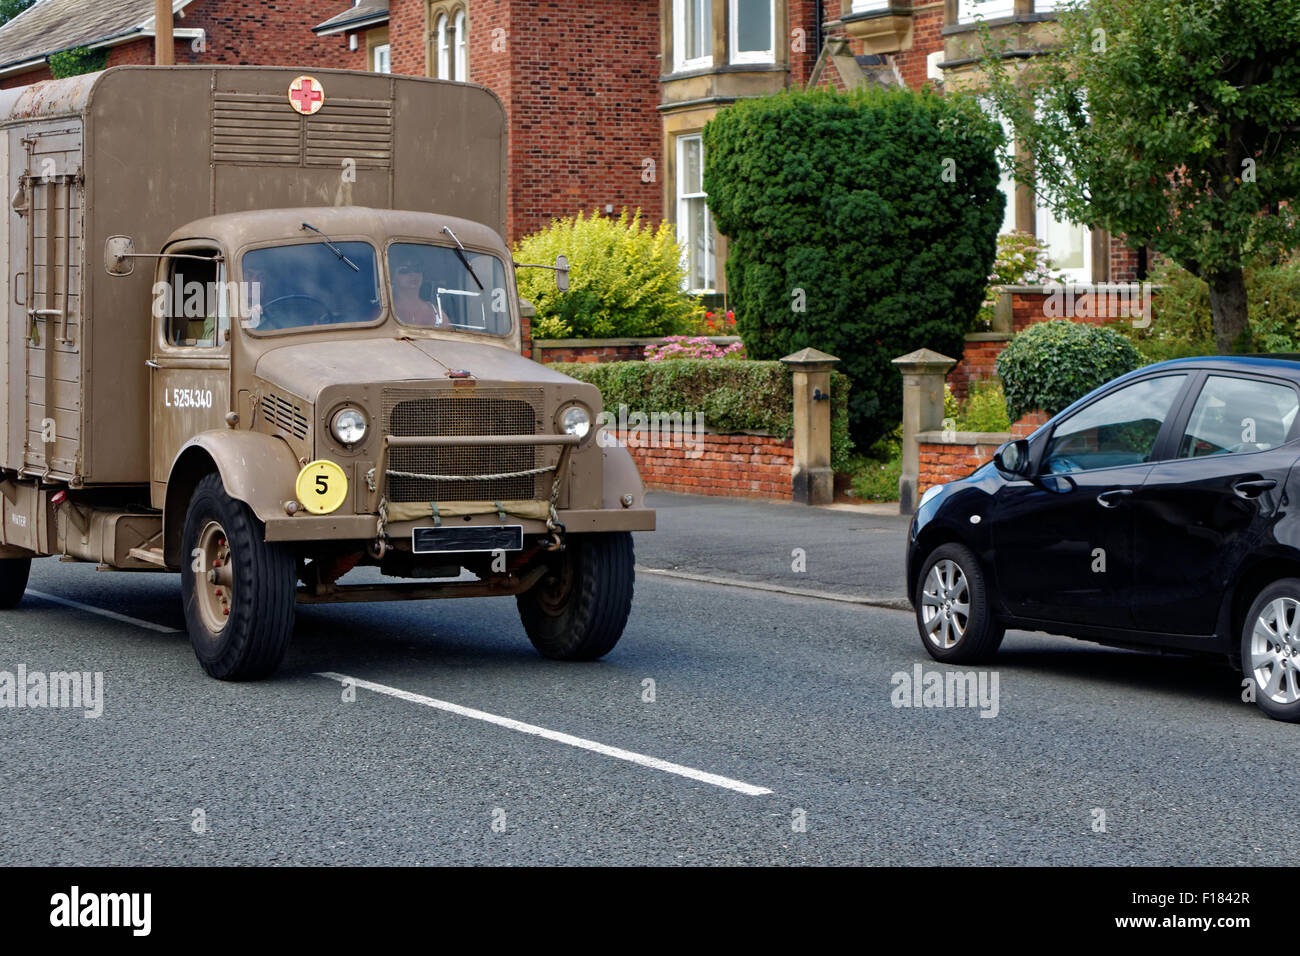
(742, 466)
(945, 461)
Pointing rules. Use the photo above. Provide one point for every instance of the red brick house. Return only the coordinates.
(270, 33)
(605, 111)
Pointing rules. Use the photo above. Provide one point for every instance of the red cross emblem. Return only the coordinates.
(306, 95)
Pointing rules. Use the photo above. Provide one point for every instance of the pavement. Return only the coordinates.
(730, 725)
(853, 553)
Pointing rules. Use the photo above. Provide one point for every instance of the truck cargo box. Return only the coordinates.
(141, 151)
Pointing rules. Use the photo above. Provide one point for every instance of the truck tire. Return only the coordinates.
(13, 581)
(578, 611)
(239, 604)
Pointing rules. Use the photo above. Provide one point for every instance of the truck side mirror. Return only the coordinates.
(119, 255)
(562, 272)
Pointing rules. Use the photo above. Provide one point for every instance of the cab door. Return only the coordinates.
(1064, 544)
(190, 365)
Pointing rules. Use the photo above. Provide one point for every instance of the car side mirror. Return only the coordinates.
(562, 272)
(1012, 459)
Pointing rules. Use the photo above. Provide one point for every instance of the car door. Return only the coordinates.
(1063, 540)
(1201, 512)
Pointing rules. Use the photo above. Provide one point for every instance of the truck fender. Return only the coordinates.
(620, 477)
(256, 469)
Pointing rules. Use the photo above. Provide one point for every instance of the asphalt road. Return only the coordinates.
(773, 692)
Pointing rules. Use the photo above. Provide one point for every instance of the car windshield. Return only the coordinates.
(309, 284)
(433, 288)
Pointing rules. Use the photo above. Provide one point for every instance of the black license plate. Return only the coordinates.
(490, 538)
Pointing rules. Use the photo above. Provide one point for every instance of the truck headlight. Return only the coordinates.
(349, 426)
(574, 420)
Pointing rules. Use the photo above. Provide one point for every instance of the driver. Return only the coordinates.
(408, 279)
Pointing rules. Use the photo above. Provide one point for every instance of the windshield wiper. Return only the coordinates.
(333, 248)
(460, 251)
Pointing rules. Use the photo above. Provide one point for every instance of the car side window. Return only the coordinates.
(1119, 429)
(1236, 415)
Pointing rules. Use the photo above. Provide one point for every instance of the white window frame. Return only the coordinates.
(751, 56)
(444, 50)
(680, 62)
(387, 58)
(460, 44)
(683, 218)
(987, 9)
(869, 6)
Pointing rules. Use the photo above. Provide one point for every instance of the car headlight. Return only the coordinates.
(349, 426)
(930, 493)
(575, 421)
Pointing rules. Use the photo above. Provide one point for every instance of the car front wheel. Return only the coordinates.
(953, 613)
(1270, 649)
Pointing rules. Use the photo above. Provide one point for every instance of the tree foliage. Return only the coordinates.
(863, 225)
(1171, 122)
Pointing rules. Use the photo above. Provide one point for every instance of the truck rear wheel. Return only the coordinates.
(239, 591)
(13, 581)
(578, 611)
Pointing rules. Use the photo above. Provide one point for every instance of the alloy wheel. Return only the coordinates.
(1275, 651)
(945, 604)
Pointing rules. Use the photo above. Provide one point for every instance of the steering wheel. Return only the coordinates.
(285, 322)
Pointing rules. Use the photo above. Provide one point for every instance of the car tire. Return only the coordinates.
(240, 621)
(954, 630)
(577, 612)
(13, 581)
(1270, 655)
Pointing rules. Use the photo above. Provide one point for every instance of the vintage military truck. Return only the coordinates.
(262, 329)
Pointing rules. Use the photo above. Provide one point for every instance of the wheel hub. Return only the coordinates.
(214, 577)
(1273, 642)
(945, 604)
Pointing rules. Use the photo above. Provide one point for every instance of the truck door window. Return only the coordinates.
(197, 303)
(310, 284)
(433, 288)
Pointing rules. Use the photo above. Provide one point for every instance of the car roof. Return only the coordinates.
(1286, 364)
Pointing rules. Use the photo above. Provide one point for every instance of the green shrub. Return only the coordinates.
(77, 61)
(625, 279)
(861, 224)
(1181, 325)
(734, 396)
(985, 408)
(1051, 364)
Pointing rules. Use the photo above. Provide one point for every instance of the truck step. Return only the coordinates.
(149, 556)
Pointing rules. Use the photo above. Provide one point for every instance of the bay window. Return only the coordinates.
(753, 31)
(692, 34)
(694, 223)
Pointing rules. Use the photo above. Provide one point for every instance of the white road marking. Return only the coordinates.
(160, 628)
(891, 603)
(579, 742)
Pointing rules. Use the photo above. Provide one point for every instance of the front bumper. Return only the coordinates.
(304, 527)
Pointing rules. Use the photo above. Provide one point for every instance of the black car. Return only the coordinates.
(1153, 512)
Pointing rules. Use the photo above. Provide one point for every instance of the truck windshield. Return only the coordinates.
(306, 284)
(433, 288)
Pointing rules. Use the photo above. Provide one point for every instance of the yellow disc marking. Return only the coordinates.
(322, 487)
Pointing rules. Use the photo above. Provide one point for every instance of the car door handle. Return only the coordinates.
(1253, 489)
(1109, 499)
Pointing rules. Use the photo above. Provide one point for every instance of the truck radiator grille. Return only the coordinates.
(500, 412)
(284, 415)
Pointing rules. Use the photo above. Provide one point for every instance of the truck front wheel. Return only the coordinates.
(578, 610)
(239, 591)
